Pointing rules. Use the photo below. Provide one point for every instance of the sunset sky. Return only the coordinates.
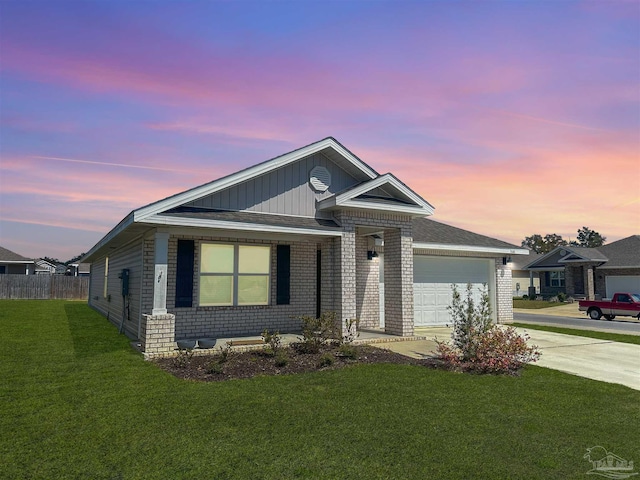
(510, 117)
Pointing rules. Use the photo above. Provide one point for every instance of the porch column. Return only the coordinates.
(589, 287)
(569, 281)
(347, 272)
(398, 280)
(160, 274)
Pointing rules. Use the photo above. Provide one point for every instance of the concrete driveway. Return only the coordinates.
(602, 360)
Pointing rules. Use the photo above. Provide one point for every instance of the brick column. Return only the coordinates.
(158, 333)
(347, 273)
(398, 281)
(589, 286)
(503, 294)
(569, 281)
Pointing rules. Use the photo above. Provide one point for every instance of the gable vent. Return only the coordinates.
(320, 179)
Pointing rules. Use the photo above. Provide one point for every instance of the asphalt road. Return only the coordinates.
(614, 326)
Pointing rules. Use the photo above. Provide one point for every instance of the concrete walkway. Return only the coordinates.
(602, 360)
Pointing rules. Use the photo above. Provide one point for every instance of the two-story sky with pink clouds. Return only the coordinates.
(510, 117)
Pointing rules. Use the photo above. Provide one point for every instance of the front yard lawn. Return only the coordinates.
(77, 402)
(534, 304)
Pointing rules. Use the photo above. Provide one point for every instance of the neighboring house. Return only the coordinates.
(590, 272)
(78, 269)
(311, 231)
(522, 278)
(15, 264)
(44, 267)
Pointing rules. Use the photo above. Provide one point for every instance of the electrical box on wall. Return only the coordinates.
(124, 276)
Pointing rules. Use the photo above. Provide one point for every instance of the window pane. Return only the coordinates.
(254, 259)
(216, 258)
(253, 290)
(216, 290)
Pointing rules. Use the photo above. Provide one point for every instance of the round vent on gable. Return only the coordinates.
(320, 179)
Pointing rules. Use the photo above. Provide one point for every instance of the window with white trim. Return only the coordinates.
(556, 279)
(234, 274)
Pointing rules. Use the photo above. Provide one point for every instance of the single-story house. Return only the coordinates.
(14, 264)
(45, 267)
(521, 278)
(311, 231)
(590, 272)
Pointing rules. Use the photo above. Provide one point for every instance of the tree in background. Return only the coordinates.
(586, 238)
(540, 244)
(589, 238)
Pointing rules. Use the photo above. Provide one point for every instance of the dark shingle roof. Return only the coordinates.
(623, 253)
(255, 218)
(426, 230)
(590, 254)
(9, 256)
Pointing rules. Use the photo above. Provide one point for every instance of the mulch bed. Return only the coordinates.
(210, 368)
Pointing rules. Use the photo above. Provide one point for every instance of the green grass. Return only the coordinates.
(534, 304)
(614, 337)
(77, 402)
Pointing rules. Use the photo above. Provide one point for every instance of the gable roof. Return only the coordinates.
(329, 146)
(7, 256)
(429, 234)
(403, 200)
(624, 253)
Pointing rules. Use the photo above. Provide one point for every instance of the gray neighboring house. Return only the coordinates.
(14, 264)
(590, 272)
(311, 231)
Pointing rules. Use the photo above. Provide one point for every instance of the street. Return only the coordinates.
(614, 326)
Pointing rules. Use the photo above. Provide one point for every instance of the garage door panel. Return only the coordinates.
(433, 278)
(622, 283)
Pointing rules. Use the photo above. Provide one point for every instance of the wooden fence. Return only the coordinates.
(44, 287)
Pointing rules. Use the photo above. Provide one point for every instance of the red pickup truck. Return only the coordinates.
(622, 304)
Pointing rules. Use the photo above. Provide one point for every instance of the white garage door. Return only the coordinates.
(432, 280)
(622, 283)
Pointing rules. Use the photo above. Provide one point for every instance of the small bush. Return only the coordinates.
(326, 360)
(281, 359)
(317, 332)
(273, 341)
(525, 297)
(225, 352)
(352, 325)
(347, 350)
(562, 297)
(215, 368)
(183, 359)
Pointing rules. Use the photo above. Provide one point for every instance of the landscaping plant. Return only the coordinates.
(478, 345)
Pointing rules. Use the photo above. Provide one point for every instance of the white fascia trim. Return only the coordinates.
(128, 220)
(616, 267)
(17, 262)
(469, 248)
(223, 225)
(545, 269)
(417, 210)
(387, 178)
(247, 174)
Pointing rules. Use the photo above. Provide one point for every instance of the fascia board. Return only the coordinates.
(545, 269)
(387, 178)
(539, 259)
(469, 248)
(224, 225)
(615, 267)
(251, 172)
(418, 210)
(128, 220)
(17, 261)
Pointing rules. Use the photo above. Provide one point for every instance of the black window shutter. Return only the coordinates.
(283, 275)
(184, 274)
(547, 279)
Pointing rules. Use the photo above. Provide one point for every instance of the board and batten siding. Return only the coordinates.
(284, 191)
(129, 256)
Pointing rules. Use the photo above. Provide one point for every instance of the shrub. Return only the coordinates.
(273, 342)
(347, 350)
(183, 359)
(326, 360)
(480, 346)
(317, 332)
(215, 367)
(562, 297)
(225, 352)
(352, 325)
(281, 359)
(525, 297)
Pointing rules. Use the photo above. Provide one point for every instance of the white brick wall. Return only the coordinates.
(504, 295)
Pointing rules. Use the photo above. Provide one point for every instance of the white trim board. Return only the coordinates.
(469, 248)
